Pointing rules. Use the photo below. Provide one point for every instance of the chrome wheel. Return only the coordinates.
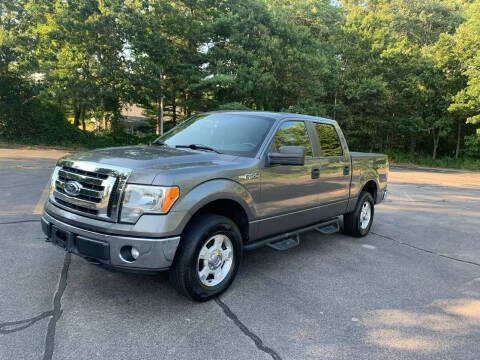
(365, 215)
(215, 260)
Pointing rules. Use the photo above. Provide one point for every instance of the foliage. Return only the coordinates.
(466, 51)
(400, 76)
(233, 106)
(401, 158)
(472, 145)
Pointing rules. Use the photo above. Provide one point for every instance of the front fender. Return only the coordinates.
(219, 189)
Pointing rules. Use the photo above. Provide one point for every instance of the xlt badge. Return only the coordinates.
(249, 176)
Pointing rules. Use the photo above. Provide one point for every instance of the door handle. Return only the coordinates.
(346, 170)
(315, 173)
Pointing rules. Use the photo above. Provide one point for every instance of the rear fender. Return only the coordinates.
(365, 177)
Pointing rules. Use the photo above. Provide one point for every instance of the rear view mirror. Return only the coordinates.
(288, 155)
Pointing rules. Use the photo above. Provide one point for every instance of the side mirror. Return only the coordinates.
(288, 155)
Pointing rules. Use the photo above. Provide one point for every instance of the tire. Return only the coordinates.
(354, 223)
(208, 257)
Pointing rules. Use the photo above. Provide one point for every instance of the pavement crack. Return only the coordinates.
(258, 342)
(57, 309)
(426, 250)
(6, 327)
(19, 221)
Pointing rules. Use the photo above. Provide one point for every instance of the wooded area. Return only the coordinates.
(398, 75)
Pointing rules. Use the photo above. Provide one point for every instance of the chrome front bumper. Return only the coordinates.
(155, 253)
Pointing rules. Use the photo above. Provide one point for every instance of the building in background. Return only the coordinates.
(134, 120)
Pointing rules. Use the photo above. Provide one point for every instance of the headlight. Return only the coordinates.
(142, 199)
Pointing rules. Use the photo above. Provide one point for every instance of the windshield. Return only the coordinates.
(235, 134)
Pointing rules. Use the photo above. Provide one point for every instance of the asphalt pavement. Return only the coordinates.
(409, 290)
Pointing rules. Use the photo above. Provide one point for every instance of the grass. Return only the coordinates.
(466, 163)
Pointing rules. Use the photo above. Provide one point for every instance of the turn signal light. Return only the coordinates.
(171, 195)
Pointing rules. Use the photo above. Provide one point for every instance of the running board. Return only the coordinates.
(285, 244)
(329, 229)
(325, 227)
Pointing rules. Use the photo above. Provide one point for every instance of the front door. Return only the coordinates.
(288, 192)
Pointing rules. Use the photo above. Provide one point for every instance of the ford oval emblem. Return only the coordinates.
(72, 188)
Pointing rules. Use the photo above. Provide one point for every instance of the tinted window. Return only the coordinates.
(236, 134)
(292, 133)
(328, 138)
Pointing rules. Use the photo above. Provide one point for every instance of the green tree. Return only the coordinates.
(165, 40)
(465, 50)
(269, 59)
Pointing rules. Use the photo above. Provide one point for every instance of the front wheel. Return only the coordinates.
(208, 257)
(359, 221)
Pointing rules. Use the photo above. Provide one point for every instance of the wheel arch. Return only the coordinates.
(369, 181)
(222, 197)
(371, 186)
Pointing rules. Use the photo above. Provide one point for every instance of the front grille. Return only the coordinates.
(84, 184)
(96, 190)
(84, 172)
(95, 199)
(76, 207)
(113, 199)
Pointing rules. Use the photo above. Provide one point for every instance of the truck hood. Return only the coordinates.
(148, 161)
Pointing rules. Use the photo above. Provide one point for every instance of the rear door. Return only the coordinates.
(333, 162)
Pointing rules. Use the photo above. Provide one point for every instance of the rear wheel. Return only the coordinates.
(208, 257)
(359, 221)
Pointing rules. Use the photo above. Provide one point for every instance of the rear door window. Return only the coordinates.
(328, 138)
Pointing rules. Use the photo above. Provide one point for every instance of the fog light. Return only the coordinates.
(129, 253)
(135, 253)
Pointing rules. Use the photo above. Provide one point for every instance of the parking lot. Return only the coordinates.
(409, 290)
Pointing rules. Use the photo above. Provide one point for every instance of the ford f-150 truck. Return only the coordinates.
(215, 185)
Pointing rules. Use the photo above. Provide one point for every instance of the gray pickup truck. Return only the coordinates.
(215, 185)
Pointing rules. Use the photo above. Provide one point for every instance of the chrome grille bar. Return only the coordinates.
(81, 178)
(99, 188)
(85, 193)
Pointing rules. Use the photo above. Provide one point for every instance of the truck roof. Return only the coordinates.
(274, 115)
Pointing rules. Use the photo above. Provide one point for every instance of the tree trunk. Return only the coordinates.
(115, 124)
(459, 135)
(159, 127)
(161, 116)
(82, 118)
(436, 140)
(174, 111)
(413, 145)
(104, 116)
(76, 116)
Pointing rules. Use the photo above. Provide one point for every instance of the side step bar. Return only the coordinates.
(325, 227)
(285, 244)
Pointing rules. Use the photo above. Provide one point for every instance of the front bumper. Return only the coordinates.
(155, 253)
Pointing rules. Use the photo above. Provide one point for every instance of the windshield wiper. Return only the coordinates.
(198, 147)
(158, 143)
